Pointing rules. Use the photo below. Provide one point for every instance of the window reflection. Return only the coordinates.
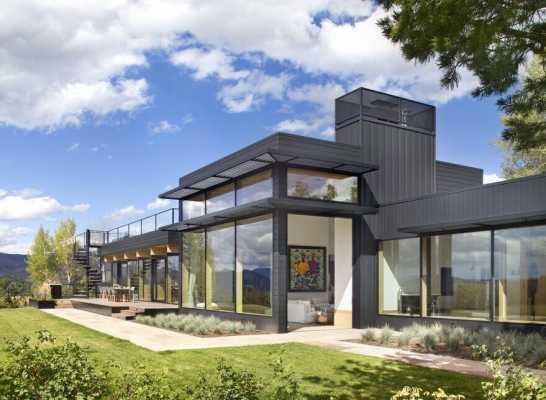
(173, 278)
(255, 259)
(220, 198)
(399, 277)
(159, 279)
(221, 268)
(460, 268)
(320, 185)
(520, 274)
(255, 187)
(193, 269)
(193, 207)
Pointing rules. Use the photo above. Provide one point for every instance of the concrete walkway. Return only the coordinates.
(157, 339)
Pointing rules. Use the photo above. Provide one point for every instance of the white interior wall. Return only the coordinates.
(343, 245)
(306, 230)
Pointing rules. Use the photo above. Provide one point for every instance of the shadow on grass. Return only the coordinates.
(363, 380)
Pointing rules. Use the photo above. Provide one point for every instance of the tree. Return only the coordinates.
(518, 164)
(490, 38)
(41, 260)
(63, 242)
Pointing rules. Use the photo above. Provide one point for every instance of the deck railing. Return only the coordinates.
(144, 225)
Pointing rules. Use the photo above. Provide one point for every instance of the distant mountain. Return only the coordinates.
(13, 264)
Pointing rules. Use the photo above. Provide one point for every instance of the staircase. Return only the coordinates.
(93, 274)
(128, 314)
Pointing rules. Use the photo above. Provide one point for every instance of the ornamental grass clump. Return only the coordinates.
(197, 324)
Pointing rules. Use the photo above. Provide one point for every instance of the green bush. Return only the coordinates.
(286, 383)
(510, 382)
(42, 369)
(197, 324)
(415, 393)
(139, 384)
(228, 384)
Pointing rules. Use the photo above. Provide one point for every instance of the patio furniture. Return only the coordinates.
(301, 311)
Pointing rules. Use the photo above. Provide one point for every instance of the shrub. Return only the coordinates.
(415, 393)
(43, 369)
(455, 337)
(369, 335)
(139, 384)
(510, 382)
(229, 384)
(196, 324)
(386, 334)
(285, 385)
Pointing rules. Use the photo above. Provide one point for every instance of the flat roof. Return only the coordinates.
(293, 150)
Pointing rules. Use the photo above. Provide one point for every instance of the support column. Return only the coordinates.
(279, 284)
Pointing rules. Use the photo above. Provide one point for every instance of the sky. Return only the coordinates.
(104, 106)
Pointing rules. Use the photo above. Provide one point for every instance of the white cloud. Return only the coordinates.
(187, 119)
(3, 192)
(158, 204)
(29, 204)
(164, 126)
(123, 213)
(73, 147)
(492, 178)
(78, 59)
(15, 239)
(207, 63)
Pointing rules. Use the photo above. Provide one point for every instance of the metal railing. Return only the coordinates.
(141, 226)
(385, 107)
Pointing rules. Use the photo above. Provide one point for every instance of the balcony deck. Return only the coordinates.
(111, 308)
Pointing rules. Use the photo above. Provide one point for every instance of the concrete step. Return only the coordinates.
(63, 303)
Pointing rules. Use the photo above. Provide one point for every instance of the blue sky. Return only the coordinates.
(102, 109)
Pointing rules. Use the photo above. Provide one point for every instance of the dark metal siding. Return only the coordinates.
(452, 177)
(495, 200)
(146, 240)
(406, 159)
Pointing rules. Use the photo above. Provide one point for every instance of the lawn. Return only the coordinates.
(324, 372)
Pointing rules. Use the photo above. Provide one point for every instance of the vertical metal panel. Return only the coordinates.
(279, 284)
(451, 177)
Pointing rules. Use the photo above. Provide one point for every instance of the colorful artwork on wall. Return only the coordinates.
(307, 269)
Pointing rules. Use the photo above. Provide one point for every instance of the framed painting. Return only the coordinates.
(307, 269)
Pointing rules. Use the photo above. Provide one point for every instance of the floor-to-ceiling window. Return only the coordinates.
(173, 279)
(520, 274)
(255, 187)
(123, 274)
(460, 274)
(133, 276)
(254, 263)
(399, 277)
(159, 276)
(193, 269)
(146, 273)
(220, 198)
(220, 286)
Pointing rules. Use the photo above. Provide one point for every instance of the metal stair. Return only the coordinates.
(92, 273)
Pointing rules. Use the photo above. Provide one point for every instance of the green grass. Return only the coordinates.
(324, 372)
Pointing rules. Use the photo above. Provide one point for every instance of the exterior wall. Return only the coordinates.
(156, 238)
(452, 177)
(503, 201)
(406, 160)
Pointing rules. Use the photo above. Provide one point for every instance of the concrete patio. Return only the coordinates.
(344, 340)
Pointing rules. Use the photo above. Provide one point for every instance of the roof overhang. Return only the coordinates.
(487, 223)
(293, 150)
(303, 206)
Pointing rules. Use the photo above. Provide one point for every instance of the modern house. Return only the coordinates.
(365, 230)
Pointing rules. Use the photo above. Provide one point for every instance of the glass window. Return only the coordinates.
(133, 275)
(145, 284)
(193, 206)
(399, 277)
(122, 274)
(460, 269)
(193, 269)
(221, 268)
(220, 198)
(320, 185)
(173, 279)
(255, 187)
(520, 274)
(159, 284)
(254, 263)
(107, 273)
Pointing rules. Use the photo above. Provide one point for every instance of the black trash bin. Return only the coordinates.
(56, 291)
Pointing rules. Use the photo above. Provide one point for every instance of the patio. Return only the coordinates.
(121, 309)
